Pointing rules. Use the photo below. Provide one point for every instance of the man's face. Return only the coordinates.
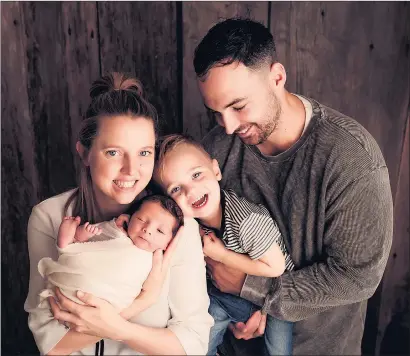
(242, 100)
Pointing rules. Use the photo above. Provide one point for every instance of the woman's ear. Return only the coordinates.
(83, 152)
(216, 169)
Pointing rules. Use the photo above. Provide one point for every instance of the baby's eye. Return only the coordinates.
(161, 232)
(175, 190)
(196, 175)
(145, 153)
(140, 219)
(112, 153)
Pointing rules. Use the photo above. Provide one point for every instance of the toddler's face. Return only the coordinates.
(151, 227)
(191, 178)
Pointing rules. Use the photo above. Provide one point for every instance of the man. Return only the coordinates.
(320, 174)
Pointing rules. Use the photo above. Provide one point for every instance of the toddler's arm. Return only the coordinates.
(270, 264)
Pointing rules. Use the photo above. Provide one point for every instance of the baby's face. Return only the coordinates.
(151, 227)
(191, 178)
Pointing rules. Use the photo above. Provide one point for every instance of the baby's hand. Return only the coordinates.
(86, 231)
(213, 247)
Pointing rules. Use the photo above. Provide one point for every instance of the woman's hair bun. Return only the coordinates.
(115, 81)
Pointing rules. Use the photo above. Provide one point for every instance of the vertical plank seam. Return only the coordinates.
(381, 332)
(403, 141)
(98, 38)
(180, 58)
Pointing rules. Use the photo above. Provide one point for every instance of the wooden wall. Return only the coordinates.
(351, 56)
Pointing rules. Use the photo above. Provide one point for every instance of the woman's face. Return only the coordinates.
(121, 159)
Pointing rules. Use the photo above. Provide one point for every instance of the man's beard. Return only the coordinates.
(263, 130)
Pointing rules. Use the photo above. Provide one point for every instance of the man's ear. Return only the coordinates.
(216, 169)
(278, 74)
(83, 152)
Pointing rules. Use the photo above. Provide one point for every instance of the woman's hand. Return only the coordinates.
(97, 317)
(151, 289)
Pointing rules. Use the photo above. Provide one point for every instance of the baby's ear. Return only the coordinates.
(216, 169)
(122, 221)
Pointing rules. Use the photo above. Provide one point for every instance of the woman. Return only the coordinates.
(116, 146)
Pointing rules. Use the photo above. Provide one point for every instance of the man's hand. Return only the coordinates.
(226, 279)
(254, 327)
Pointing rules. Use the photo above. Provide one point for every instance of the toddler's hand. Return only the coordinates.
(213, 247)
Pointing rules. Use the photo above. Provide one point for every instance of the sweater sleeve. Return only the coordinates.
(357, 240)
(188, 297)
(46, 330)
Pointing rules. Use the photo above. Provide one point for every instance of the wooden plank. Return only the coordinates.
(396, 277)
(198, 18)
(19, 184)
(47, 87)
(45, 81)
(81, 54)
(334, 53)
(62, 52)
(132, 42)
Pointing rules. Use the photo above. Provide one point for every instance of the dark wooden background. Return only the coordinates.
(351, 56)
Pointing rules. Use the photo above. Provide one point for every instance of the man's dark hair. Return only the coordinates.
(167, 203)
(243, 40)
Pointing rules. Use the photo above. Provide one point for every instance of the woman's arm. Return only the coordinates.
(47, 331)
(188, 329)
(188, 297)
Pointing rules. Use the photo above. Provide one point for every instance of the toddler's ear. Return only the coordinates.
(216, 169)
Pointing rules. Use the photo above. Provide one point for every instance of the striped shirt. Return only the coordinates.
(249, 228)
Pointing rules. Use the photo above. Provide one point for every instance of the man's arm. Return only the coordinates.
(357, 241)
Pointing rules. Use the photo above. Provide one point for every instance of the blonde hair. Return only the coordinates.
(111, 95)
(169, 143)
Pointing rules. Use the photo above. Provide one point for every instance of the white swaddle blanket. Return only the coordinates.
(109, 267)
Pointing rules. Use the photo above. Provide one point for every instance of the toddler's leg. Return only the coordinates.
(222, 320)
(225, 308)
(86, 231)
(278, 336)
(67, 230)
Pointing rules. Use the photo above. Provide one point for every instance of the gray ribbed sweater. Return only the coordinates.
(330, 195)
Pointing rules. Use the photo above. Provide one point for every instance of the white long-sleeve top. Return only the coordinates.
(182, 306)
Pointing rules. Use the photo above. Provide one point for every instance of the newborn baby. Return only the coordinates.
(105, 259)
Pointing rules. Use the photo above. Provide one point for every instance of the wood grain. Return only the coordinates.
(81, 54)
(131, 41)
(353, 57)
(393, 293)
(19, 184)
